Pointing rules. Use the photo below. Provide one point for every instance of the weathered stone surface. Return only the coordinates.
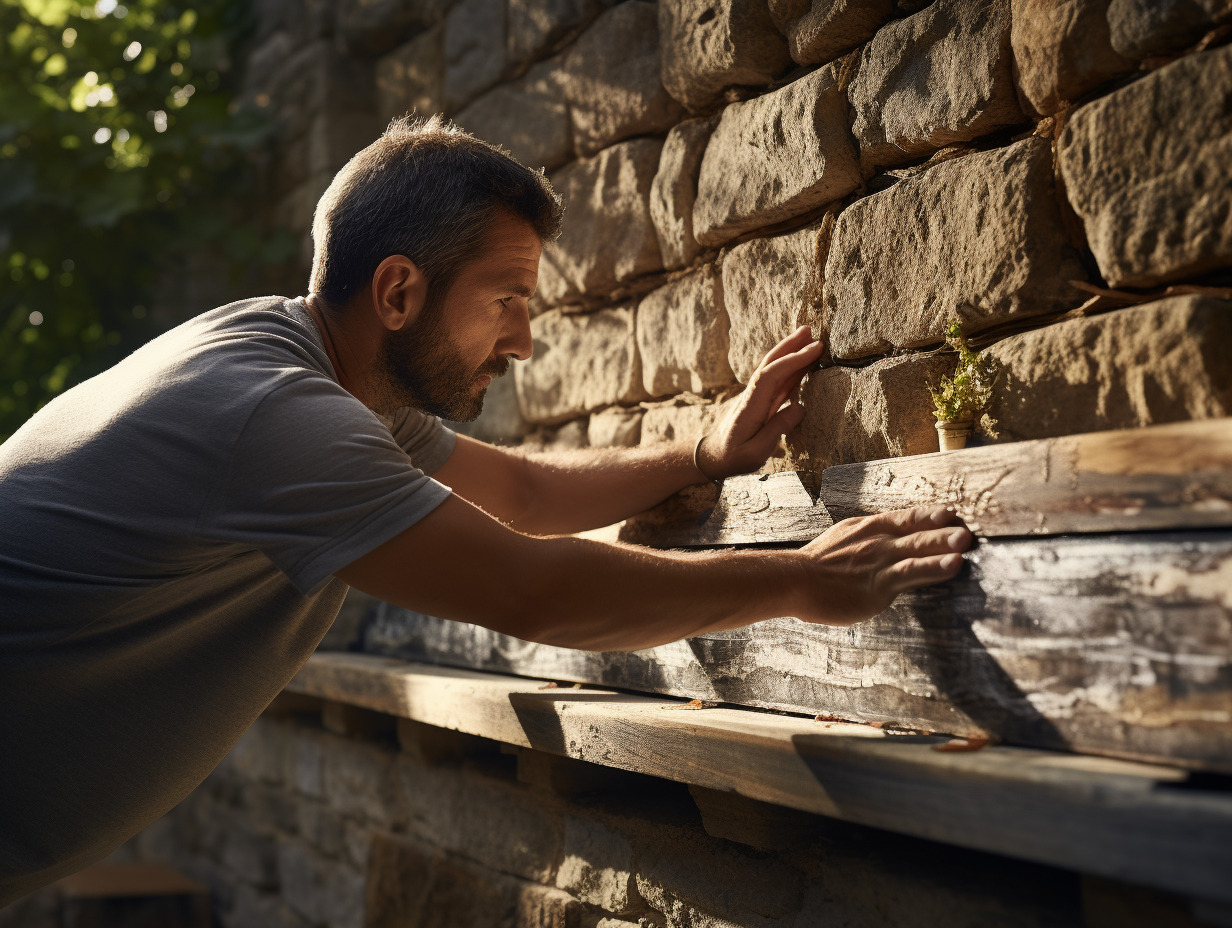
(979, 237)
(1149, 170)
(580, 363)
(1161, 362)
(868, 413)
(709, 45)
(372, 27)
(474, 49)
(597, 866)
(360, 781)
(613, 82)
(412, 78)
(537, 26)
(1062, 49)
(321, 890)
(940, 76)
(608, 236)
(776, 157)
(821, 30)
(771, 286)
(682, 336)
(615, 428)
(530, 117)
(674, 191)
(1156, 27)
(672, 422)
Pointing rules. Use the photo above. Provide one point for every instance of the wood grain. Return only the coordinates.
(1135, 822)
(1118, 645)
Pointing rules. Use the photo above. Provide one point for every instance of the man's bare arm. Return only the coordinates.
(459, 563)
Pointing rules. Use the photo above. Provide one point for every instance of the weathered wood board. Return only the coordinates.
(1120, 645)
(1136, 822)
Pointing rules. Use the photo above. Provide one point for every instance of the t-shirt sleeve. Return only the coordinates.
(315, 481)
(425, 438)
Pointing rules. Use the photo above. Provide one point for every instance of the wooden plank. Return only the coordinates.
(1160, 477)
(1118, 645)
(1134, 822)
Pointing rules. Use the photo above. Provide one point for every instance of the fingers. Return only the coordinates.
(934, 541)
(779, 425)
(774, 382)
(797, 339)
(919, 519)
(915, 572)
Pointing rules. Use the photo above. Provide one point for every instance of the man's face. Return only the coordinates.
(465, 337)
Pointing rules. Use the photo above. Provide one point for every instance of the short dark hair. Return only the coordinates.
(427, 190)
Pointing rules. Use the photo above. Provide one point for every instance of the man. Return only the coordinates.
(177, 534)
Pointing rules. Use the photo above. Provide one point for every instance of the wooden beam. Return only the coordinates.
(1118, 645)
(1134, 822)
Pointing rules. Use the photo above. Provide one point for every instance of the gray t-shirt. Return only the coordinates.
(168, 532)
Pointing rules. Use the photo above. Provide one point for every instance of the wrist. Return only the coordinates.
(701, 467)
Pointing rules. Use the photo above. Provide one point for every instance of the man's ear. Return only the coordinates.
(399, 291)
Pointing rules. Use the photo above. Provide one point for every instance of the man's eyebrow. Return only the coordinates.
(522, 290)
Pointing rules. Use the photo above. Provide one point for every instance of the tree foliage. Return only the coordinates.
(120, 149)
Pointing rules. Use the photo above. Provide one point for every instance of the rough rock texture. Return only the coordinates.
(674, 191)
(1149, 171)
(979, 237)
(677, 422)
(608, 236)
(820, 30)
(771, 286)
(682, 336)
(1062, 49)
(708, 45)
(412, 78)
(529, 117)
(867, 413)
(580, 363)
(776, 157)
(1161, 362)
(613, 79)
(373, 27)
(940, 76)
(536, 26)
(1157, 27)
(474, 49)
(615, 428)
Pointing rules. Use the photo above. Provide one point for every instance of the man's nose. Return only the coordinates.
(515, 339)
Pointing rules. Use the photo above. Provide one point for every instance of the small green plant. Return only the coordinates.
(964, 396)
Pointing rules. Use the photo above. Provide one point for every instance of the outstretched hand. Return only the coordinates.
(751, 425)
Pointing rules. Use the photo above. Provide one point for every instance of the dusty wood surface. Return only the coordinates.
(1119, 645)
(1136, 822)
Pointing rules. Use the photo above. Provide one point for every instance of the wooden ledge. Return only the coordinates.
(1141, 823)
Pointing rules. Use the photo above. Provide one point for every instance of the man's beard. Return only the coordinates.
(420, 367)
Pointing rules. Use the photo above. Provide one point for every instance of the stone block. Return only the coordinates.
(321, 828)
(867, 413)
(608, 236)
(373, 27)
(1159, 27)
(1148, 169)
(307, 770)
(1161, 362)
(535, 27)
(580, 363)
(978, 237)
(597, 866)
(682, 336)
(940, 76)
(1062, 49)
(710, 45)
(675, 422)
(249, 852)
(360, 781)
(770, 287)
(253, 908)
(411, 79)
(613, 81)
(821, 30)
(776, 157)
(320, 890)
(262, 755)
(528, 116)
(674, 191)
(615, 428)
(474, 50)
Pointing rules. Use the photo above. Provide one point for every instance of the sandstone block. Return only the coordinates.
(580, 363)
(1160, 362)
(613, 81)
(978, 237)
(360, 781)
(320, 890)
(530, 117)
(709, 45)
(615, 428)
(867, 413)
(412, 77)
(608, 236)
(537, 26)
(820, 30)
(674, 191)
(1148, 169)
(373, 27)
(771, 286)
(682, 336)
(1062, 50)
(672, 422)
(775, 157)
(474, 50)
(597, 866)
(1157, 27)
(940, 76)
